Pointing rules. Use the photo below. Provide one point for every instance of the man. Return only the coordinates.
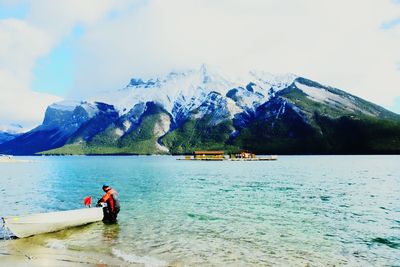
(111, 198)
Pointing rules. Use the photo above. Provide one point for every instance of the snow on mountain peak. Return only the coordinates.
(70, 105)
(322, 95)
(276, 82)
(181, 92)
(65, 105)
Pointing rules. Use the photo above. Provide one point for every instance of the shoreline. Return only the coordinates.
(13, 160)
(178, 155)
(12, 254)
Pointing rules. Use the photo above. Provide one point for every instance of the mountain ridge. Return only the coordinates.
(202, 109)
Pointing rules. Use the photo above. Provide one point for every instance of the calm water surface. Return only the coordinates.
(297, 211)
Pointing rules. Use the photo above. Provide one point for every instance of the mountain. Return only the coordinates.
(63, 121)
(204, 109)
(9, 132)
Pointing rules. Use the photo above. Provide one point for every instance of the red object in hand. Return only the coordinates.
(87, 201)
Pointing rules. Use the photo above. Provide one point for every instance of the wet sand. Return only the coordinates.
(69, 247)
(60, 249)
(12, 254)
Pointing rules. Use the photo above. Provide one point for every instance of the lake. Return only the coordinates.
(296, 211)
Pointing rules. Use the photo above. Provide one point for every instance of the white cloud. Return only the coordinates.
(20, 105)
(340, 43)
(59, 17)
(23, 42)
(20, 46)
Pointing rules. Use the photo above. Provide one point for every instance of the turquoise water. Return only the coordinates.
(297, 211)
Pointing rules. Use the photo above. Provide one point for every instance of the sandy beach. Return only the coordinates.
(21, 253)
(14, 160)
(61, 249)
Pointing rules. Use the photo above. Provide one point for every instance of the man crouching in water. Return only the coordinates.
(113, 207)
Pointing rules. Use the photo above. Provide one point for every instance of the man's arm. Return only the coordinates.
(104, 198)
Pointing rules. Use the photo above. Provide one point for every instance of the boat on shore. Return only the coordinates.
(34, 224)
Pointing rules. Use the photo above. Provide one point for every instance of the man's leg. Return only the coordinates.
(114, 215)
(106, 214)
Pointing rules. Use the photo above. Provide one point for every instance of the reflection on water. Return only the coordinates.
(330, 210)
(110, 233)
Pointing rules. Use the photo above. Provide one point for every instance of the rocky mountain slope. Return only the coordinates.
(204, 109)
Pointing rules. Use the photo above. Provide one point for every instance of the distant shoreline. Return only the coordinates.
(177, 155)
(13, 160)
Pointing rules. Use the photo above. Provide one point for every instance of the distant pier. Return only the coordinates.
(243, 155)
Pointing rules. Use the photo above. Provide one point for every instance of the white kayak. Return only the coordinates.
(28, 225)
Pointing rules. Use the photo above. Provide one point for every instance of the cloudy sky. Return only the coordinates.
(56, 49)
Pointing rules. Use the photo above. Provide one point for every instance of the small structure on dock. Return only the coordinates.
(209, 155)
(244, 154)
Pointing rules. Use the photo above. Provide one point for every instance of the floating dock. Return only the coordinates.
(273, 157)
(220, 156)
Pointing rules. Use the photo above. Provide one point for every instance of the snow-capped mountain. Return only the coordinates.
(205, 109)
(180, 93)
(62, 120)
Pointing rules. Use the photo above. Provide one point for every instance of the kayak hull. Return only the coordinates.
(28, 225)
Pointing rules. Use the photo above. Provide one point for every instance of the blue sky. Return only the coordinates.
(51, 50)
(54, 73)
(391, 24)
(13, 11)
